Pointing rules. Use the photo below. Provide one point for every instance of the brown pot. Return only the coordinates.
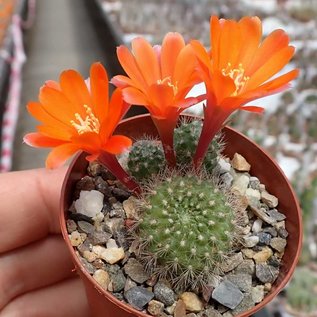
(103, 303)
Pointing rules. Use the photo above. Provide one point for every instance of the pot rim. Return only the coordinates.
(129, 308)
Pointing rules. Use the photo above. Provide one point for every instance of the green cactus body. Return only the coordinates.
(187, 229)
(146, 159)
(186, 138)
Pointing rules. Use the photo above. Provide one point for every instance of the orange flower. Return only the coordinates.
(160, 77)
(238, 69)
(75, 118)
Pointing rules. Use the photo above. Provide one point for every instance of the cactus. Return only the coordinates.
(186, 138)
(302, 291)
(146, 159)
(187, 228)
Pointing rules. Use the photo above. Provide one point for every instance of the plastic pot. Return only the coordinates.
(103, 304)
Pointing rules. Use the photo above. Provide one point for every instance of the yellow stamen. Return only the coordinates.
(89, 124)
(167, 81)
(237, 74)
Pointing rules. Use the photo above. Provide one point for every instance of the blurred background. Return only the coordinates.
(39, 39)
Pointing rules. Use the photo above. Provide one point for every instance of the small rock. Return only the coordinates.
(138, 297)
(242, 280)
(111, 243)
(164, 294)
(211, 312)
(240, 164)
(248, 253)
(192, 315)
(247, 267)
(129, 284)
(130, 208)
(71, 225)
(155, 308)
(254, 183)
(279, 225)
(245, 230)
(180, 309)
(250, 241)
(263, 255)
(77, 238)
(227, 314)
(269, 199)
(102, 186)
(135, 270)
(86, 227)
(118, 280)
(90, 203)
(266, 273)
(261, 213)
(278, 244)
(232, 262)
(88, 266)
(276, 215)
(206, 292)
(267, 287)
(264, 238)
(246, 304)
(228, 294)
(170, 309)
(99, 237)
(257, 226)
(252, 194)
(86, 183)
(102, 278)
(271, 230)
(113, 255)
(120, 194)
(192, 302)
(89, 256)
(117, 211)
(257, 293)
(226, 179)
(115, 224)
(223, 166)
(240, 184)
(283, 233)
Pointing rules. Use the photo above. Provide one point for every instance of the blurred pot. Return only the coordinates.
(103, 303)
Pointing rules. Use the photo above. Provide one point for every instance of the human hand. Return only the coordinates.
(36, 272)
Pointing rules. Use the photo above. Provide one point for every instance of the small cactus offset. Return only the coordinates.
(187, 228)
(186, 138)
(146, 159)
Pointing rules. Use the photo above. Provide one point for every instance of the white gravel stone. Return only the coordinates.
(240, 184)
(224, 166)
(252, 194)
(257, 226)
(102, 278)
(269, 199)
(90, 203)
(257, 293)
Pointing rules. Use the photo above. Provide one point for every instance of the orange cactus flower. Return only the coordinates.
(160, 78)
(77, 117)
(238, 69)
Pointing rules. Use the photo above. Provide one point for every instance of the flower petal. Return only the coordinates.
(75, 89)
(117, 144)
(146, 60)
(130, 66)
(172, 45)
(40, 140)
(60, 154)
(121, 81)
(134, 96)
(99, 90)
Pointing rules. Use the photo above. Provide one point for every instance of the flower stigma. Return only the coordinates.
(167, 81)
(237, 74)
(89, 124)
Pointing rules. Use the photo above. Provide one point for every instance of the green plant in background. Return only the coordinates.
(302, 291)
(188, 226)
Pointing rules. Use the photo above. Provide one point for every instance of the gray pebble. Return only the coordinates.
(283, 233)
(254, 183)
(138, 297)
(246, 304)
(242, 280)
(86, 227)
(264, 238)
(232, 262)
(247, 267)
(135, 270)
(278, 244)
(266, 273)
(164, 294)
(226, 179)
(228, 294)
(88, 266)
(271, 230)
(276, 215)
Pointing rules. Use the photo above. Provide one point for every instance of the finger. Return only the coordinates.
(36, 265)
(29, 206)
(64, 299)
